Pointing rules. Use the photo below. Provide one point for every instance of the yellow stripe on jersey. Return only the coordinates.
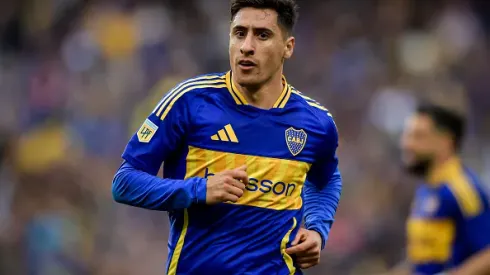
(172, 269)
(273, 183)
(430, 240)
(287, 258)
(237, 96)
(284, 97)
(318, 106)
(465, 193)
(217, 85)
(230, 90)
(310, 101)
(165, 99)
(467, 197)
(237, 92)
(183, 87)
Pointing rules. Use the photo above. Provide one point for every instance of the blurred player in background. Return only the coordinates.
(245, 155)
(449, 226)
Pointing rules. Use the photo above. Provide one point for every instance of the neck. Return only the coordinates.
(440, 161)
(263, 95)
(439, 166)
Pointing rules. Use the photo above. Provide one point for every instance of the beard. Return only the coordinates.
(420, 167)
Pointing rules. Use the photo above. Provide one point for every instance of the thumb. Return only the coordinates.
(242, 168)
(300, 237)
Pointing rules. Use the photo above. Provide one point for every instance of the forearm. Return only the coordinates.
(321, 205)
(137, 188)
(478, 264)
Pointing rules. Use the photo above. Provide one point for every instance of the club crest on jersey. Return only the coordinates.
(147, 131)
(296, 140)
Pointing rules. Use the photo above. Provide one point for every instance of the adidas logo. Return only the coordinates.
(226, 134)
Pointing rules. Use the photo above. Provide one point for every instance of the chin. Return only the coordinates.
(247, 80)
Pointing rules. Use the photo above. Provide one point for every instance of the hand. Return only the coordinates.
(226, 186)
(307, 247)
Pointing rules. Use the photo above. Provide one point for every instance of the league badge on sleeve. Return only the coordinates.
(147, 131)
(296, 140)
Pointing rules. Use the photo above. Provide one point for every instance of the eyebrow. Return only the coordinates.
(260, 29)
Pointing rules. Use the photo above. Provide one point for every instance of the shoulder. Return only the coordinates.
(312, 107)
(185, 92)
(434, 202)
(198, 84)
(465, 192)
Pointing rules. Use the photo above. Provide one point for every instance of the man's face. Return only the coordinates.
(420, 143)
(258, 46)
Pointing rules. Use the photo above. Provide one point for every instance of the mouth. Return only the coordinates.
(246, 64)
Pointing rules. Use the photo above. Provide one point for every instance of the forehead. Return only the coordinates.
(256, 18)
(420, 122)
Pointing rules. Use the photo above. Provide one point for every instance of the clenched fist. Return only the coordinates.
(307, 247)
(226, 186)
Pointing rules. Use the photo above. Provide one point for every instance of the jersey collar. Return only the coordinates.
(240, 99)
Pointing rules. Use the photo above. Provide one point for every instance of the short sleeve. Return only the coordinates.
(160, 134)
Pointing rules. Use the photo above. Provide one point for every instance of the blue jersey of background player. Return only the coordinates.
(246, 158)
(448, 231)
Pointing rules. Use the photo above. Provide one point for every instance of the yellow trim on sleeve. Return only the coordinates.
(184, 87)
(310, 101)
(217, 85)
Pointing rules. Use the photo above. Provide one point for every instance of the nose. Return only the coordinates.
(248, 47)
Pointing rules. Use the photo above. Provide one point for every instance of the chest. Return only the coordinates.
(426, 204)
(288, 134)
(277, 148)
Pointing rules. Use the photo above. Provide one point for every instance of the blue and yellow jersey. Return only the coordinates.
(204, 126)
(450, 220)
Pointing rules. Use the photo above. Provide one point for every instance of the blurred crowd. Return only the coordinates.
(78, 77)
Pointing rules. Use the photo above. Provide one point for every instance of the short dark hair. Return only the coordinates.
(446, 120)
(287, 10)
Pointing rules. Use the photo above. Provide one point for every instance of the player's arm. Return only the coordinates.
(323, 187)
(138, 188)
(321, 198)
(136, 183)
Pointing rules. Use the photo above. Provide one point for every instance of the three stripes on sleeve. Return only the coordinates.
(207, 81)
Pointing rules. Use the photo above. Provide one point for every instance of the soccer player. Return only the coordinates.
(449, 226)
(247, 158)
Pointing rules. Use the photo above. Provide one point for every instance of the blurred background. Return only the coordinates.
(78, 77)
